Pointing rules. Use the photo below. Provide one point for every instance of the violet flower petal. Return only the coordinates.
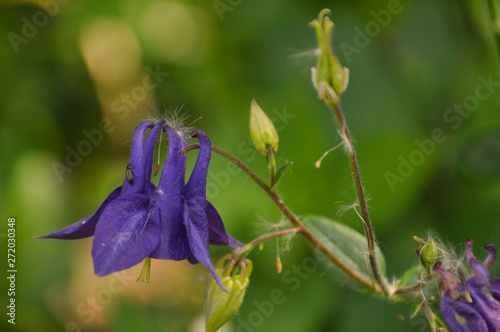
(128, 231)
(173, 243)
(460, 316)
(217, 232)
(137, 161)
(194, 199)
(495, 289)
(480, 271)
(484, 303)
(85, 227)
(149, 146)
(492, 254)
(191, 259)
(479, 312)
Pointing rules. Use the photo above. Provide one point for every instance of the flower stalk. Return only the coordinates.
(291, 216)
(242, 252)
(330, 80)
(360, 193)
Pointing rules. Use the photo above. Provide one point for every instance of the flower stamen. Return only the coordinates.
(157, 165)
(146, 271)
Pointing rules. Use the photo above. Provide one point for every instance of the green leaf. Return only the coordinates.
(348, 245)
(280, 172)
(411, 276)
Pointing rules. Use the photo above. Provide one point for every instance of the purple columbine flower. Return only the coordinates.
(472, 305)
(138, 220)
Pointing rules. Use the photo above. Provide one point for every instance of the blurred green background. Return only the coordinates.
(67, 67)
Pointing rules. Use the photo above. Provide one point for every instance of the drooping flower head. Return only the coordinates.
(138, 220)
(472, 305)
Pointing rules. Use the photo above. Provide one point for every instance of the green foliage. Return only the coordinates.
(281, 170)
(348, 245)
(401, 83)
(411, 276)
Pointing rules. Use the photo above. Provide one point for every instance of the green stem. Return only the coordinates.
(243, 251)
(271, 160)
(360, 193)
(430, 315)
(412, 289)
(291, 216)
(439, 321)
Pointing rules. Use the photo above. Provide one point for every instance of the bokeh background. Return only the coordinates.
(67, 65)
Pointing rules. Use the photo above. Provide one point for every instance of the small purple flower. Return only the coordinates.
(138, 220)
(472, 305)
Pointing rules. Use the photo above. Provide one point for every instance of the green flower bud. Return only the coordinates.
(329, 77)
(219, 305)
(429, 255)
(264, 135)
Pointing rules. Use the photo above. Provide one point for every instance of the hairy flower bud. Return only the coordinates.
(329, 77)
(220, 306)
(429, 256)
(264, 135)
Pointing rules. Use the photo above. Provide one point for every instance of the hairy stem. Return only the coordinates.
(234, 160)
(291, 216)
(360, 193)
(412, 289)
(429, 314)
(243, 251)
